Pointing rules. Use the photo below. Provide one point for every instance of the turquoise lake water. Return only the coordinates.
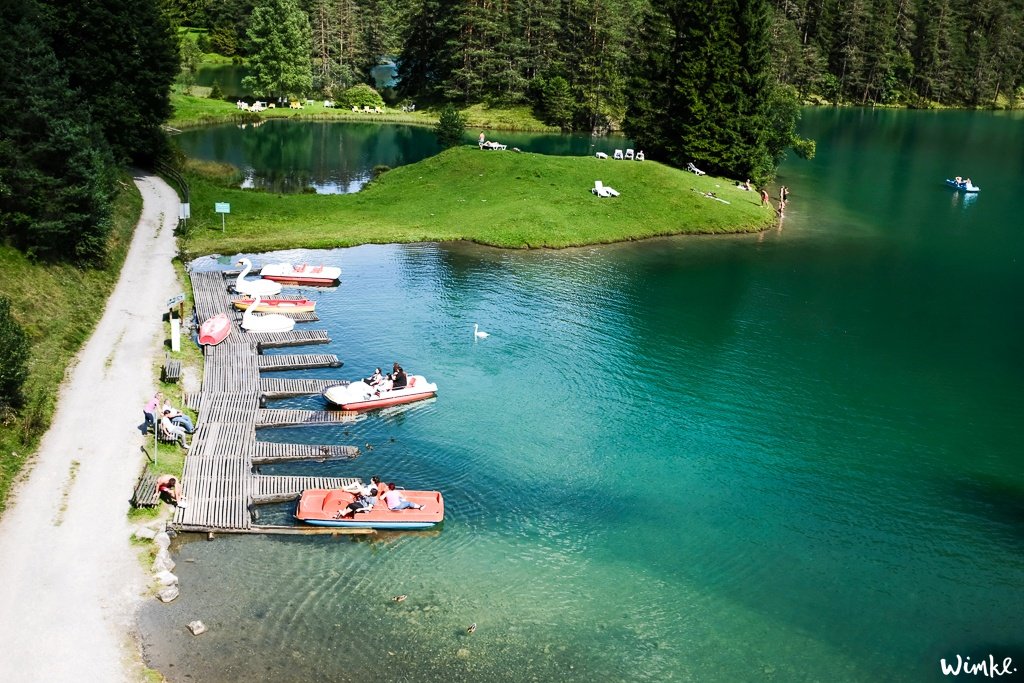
(793, 456)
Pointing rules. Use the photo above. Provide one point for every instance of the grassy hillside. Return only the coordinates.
(504, 199)
(58, 306)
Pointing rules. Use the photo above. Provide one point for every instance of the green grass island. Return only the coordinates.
(497, 198)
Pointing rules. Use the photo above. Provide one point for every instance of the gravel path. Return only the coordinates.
(69, 578)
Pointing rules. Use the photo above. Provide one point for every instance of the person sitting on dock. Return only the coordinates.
(396, 501)
(179, 418)
(172, 430)
(167, 488)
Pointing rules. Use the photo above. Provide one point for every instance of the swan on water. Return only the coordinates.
(270, 322)
(478, 333)
(251, 287)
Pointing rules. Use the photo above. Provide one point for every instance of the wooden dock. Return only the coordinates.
(219, 481)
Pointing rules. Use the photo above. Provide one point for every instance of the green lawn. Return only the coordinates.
(504, 199)
(191, 111)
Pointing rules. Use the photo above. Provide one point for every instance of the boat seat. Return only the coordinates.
(412, 381)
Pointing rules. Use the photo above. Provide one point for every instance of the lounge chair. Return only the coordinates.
(355, 108)
(618, 154)
(629, 154)
(601, 155)
(640, 155)
(367, 110)
(602, 191)
(693, 169)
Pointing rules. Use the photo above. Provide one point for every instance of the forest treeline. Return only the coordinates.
(574, 59)
(86, 88)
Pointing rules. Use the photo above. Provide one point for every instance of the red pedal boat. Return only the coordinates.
(301, 274)
(214, 330)
(321, 507)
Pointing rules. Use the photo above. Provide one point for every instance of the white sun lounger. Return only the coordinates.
(601, 155)
(693, 169)
(629, 154)
(602, 191)
(618, 154)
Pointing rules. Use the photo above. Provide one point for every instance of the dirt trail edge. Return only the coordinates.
(69, 578)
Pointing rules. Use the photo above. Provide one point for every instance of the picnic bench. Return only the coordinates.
(145, 495)
(171, 370)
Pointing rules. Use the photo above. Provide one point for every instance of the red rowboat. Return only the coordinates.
(277, 305)
(214, 330)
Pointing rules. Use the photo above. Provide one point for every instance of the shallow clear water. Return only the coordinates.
(789, 456)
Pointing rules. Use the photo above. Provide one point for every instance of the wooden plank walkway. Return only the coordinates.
(267, 452)
(218, 480)
(274, 417)
(276, 340)
(304, 361)
(274, 387)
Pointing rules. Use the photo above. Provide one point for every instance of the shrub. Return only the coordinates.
(216, 92)
(14, 353)
(450, 127)
(363, 95)
(379, 170)
(556, 102)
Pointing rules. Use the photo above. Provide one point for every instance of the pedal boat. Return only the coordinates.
(214, 330)
(301, 274)
(361, 396)
(963, 185)
(277, 305)
(321, 507)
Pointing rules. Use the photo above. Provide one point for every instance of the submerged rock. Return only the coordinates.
(196, 627)
(168, 594)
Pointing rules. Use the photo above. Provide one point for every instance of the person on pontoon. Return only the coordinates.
(396, 501)
(959, 180)
(375, 379)
(401, 379)
(362, 503)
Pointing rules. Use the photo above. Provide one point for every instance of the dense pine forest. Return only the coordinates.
(575, 59)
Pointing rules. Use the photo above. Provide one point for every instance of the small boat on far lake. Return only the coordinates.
(322, 507)
(964, 185)
(214, 330)
(301, 274)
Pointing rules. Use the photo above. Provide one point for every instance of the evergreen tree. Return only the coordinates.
(706, 73)
(281, 45)
(450, 127)
(121, 57)
(56, 176)
(427, 63)
(14, 355)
